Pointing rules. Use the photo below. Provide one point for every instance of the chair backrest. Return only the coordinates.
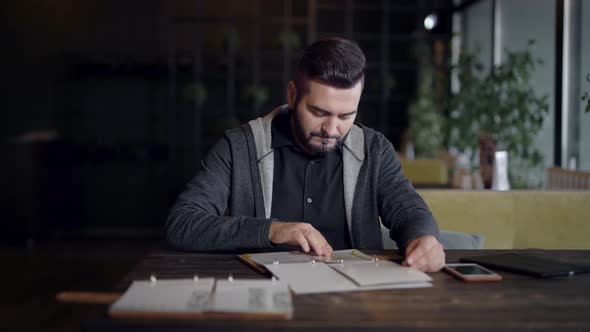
(558, 178)
(425, 172)
(516, 219)
(449, 240)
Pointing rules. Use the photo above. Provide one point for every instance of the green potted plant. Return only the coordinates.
(500, 105)
(427, 130)
(427, 120)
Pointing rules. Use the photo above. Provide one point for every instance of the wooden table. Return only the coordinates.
(517, 303)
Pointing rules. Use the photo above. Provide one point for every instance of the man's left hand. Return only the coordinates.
(425, 254)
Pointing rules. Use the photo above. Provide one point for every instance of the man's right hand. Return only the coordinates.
(299, 234)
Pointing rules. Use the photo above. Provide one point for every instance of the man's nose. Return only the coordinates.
(330, 127)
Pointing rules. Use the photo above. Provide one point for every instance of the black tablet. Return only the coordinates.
(528, 264)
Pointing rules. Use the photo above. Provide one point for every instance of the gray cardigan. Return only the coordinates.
(227, 204)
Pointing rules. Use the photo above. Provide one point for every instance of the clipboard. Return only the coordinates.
(257, 261)
(345, 270)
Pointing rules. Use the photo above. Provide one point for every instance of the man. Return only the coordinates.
(305, 175)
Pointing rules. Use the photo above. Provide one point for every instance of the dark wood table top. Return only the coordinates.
(516, 303)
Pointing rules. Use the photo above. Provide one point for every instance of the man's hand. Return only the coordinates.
(425, 253)
(300, 234)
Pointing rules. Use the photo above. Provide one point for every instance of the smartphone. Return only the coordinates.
(472, 272)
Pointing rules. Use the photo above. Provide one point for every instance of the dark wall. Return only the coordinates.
(103, 99)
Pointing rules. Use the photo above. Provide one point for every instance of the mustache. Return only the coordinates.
(323, 135)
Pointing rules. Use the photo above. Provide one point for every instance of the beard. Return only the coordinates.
(304, 139)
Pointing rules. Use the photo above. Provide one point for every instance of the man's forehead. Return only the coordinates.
(327, 98)
(328, 109)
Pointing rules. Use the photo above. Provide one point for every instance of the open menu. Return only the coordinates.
(345, 270)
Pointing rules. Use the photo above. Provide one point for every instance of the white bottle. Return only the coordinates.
(500, 177)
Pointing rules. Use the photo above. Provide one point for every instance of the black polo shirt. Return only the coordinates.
(308, 189)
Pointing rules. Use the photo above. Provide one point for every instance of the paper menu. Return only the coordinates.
(308, 278)
(290, 257)
(380, 273)
(253, 296)
(181, 296)
(188, 298)
(305, 278)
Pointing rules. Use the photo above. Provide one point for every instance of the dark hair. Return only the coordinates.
(337, 62)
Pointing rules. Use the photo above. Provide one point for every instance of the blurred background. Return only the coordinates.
(109, 106)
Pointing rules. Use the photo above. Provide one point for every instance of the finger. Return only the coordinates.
(315, 244)
(420, 266)
(302, 241)
(431, 261)
(316, 241)
(421, 263)
(439, 260)
(428, 261)
(421, 249)
(327, 249)
(414, 256)
(417, 256)
(409, 249)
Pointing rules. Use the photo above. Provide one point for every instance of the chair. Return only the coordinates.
(558, 178)
(449, 240)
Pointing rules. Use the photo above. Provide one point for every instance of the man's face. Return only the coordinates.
(324, 115)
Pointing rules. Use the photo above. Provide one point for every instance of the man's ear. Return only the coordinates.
(291, 94)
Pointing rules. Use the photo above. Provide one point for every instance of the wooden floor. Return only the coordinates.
(31, 278)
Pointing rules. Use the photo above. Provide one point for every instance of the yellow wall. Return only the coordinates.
(516, 219)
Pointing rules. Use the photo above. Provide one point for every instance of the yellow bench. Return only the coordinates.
(515, 219)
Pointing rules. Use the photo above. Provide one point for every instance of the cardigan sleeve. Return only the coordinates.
(197, 220)
(401, 208)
